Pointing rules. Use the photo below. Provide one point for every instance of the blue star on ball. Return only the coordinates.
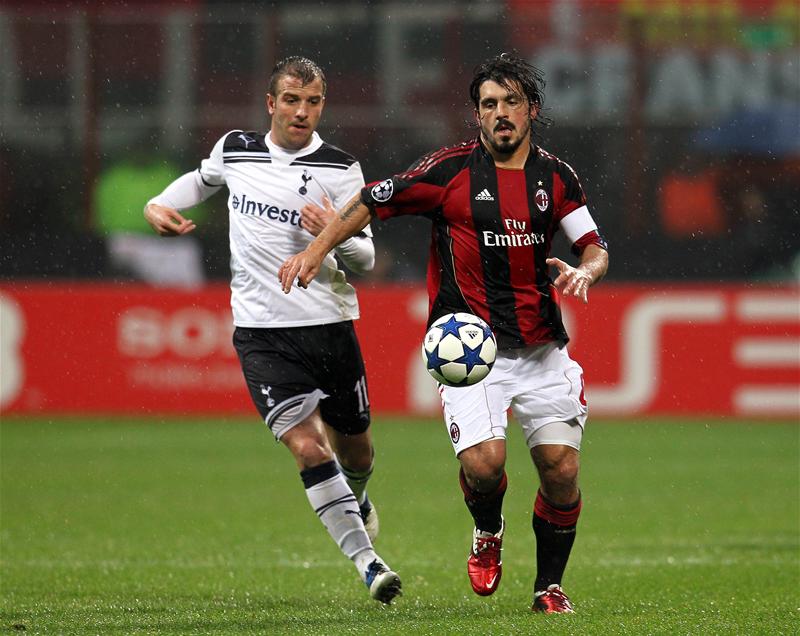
(471, 358)
(451, 326)
(434, 361)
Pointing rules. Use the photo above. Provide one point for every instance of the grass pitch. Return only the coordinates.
(146, 527)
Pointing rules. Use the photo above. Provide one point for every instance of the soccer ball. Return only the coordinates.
(459, 349)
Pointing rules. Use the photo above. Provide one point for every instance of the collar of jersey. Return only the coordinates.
(534, 152)
(277, 152)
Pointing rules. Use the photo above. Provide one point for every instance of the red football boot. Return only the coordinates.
(552, 601)
(484, 565)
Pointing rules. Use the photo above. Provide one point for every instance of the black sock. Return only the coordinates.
(554, 527)
(485, 507)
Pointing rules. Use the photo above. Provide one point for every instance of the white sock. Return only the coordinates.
(337, 508)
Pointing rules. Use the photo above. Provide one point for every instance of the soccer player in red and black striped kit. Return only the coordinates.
(495, 203)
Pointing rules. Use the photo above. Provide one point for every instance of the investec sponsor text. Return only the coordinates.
(249, 207)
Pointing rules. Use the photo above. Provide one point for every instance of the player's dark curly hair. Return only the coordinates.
(297, 66)
(512, 73)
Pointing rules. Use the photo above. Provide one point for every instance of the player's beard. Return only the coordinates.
(510, 146)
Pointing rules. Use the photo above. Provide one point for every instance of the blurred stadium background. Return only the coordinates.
(682, 119)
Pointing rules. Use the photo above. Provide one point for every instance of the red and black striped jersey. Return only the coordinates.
(492, 231)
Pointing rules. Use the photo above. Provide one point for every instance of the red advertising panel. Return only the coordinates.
(117, 349)
(129, 349)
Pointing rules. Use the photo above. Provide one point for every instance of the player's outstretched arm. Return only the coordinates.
(161, 212)
(357, 252)
(167, 221)
(304, 266)
(575, 281)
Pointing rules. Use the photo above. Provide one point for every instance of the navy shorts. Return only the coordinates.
(291, 370)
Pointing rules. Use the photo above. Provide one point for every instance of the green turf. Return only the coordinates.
(131, 527)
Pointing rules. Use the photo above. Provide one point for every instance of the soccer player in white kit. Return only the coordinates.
(299, 355)
(496, 202)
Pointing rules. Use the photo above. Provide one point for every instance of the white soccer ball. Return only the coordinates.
(459, 349)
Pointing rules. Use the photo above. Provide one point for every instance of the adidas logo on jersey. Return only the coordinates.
(484, 195)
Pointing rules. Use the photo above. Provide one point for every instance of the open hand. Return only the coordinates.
(571, 281)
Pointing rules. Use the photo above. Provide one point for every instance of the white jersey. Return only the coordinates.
(268, 186)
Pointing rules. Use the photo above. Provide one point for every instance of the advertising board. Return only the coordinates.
(646, 350)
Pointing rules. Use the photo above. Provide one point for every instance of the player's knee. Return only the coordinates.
(555, 458)
(483, 466)
(560, 477)
(558, 470)
(354, 453)
(483, 475)
(357, 462)
(560, 482)
(310, 451)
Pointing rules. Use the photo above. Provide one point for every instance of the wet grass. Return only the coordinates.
(183, 527)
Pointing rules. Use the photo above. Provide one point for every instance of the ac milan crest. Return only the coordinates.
(455, 433)
(542, 199)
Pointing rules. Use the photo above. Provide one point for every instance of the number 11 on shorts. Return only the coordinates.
(361, 393)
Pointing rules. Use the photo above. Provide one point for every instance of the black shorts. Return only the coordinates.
(290, 370)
